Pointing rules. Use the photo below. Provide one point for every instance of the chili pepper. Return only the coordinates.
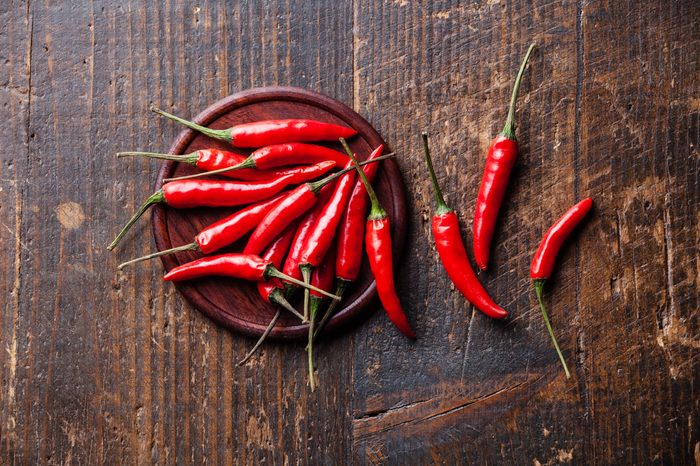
(322, 277)
(279, 155)
(499, 164)
(291, 264)
(214, 159)
(221, 233)
(350, 237)
(378, 247)
(323, 231)
(235, 265)
(213, 193)
(543, 261)
(263, 133)
(448, 242)
(292, 207)
(270, 291)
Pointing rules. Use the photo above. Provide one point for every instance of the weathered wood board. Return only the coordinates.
(98, 366)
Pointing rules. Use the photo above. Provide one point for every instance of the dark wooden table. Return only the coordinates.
(100, 366)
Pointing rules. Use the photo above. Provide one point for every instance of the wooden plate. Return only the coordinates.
(236, 304)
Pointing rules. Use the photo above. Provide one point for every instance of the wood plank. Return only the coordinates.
(15, 97)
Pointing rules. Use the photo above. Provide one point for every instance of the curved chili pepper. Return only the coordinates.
(215, 159)
(378, 246)
(299, 201)
(270, 291)
(214, 193)
(263, 133)
(499, 164)
(322, 277)
(279, 155)
(450, 248)
(543, 261)
(323, 231)
(234, 265)
(221, 233)
(351, 231)
(291, 264)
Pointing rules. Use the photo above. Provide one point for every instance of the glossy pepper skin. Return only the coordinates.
(379, 254)
(448, 242)
(378, 247)
(352, 225)
(221, 233)
(264, 133)
(232, 228)
(543, 261)
(279, 155)
(242, 266)
(208, 193)
(499, 164)
(294, 205)
(216, 160)
(275, 253)
(317, 168)
(299, 202)
(234, 265)
(213, 193)
(323, 232)
(291, 264)
(450, 248)
(295, 153)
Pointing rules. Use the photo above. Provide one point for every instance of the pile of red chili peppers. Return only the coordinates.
(305, 232)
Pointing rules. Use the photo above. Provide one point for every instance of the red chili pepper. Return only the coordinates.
(291, 264)
(499, 164)
(215, 159)
(448, 242)
(300, 200)
(234, 265)
(543, 261)
(263, 133)
(214, 193)
(270, 291)
(322, 233)
(221, 233)
(322, 277)
(351, 232)
(378, 246)
(279, 155)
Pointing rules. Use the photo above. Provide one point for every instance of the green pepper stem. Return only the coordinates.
(247, 163)
(339, 291)
(376, 212)
(310, 346)
(260, 340)
(277, 297)
(442, 207)
(271, 271)
(539, 285)
(221, 134)
(187, 158)
(306, 273)
(509, 128)
(186, 247)
(317, 185)
(154, 198)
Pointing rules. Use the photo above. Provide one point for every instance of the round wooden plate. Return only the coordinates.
(236, 304)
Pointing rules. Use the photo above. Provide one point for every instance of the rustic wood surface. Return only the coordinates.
(106, 367)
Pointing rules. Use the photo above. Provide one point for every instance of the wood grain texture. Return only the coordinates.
(104, 367)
